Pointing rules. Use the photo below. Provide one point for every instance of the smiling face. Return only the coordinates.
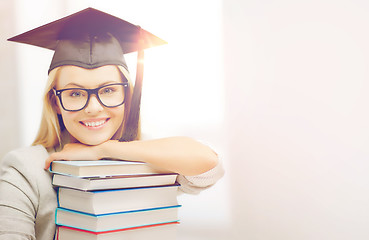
(95, 123)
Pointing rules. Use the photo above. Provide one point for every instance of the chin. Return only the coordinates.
(93, 141)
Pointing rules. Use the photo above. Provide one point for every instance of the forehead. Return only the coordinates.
(88, 78)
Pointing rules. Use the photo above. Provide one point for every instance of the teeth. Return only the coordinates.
(94, 124)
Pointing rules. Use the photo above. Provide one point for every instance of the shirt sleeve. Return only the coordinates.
(195, 184)
(18, 200)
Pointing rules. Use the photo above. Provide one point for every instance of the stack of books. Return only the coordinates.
(109, 199)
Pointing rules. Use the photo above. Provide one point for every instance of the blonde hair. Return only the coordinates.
(52, 126)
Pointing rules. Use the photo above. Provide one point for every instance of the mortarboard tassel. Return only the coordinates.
(132, 124)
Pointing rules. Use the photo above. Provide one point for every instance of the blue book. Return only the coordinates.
(116, 221)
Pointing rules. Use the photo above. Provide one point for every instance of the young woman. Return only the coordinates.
(86, 105)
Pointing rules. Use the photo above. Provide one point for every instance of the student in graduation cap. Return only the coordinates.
(91, 111)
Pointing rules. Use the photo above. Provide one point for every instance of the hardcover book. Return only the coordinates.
(103, 168)
(113, 182)
(166, 231)
(118, 200)
(116, 221)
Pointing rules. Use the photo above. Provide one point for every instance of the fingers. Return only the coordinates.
(72, 152)
(48, 162)
(50, 159)
(57, 156)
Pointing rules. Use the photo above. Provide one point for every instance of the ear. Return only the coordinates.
(56, 104)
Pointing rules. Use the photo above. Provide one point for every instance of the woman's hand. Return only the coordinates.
(73, 152)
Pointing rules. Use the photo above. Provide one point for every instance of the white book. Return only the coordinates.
(118, 200)
(116, 221)
(103, 168)
(113, 182)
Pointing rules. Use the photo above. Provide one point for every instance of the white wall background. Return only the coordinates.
(296, 74)
(9, 123)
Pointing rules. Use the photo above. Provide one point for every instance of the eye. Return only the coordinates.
(108, 90)
(76, 93)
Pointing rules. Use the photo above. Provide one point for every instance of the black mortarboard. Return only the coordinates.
(91, 39)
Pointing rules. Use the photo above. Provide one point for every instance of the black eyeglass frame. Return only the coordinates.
(90, 92)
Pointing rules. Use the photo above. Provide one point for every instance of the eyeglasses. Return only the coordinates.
(76, 99)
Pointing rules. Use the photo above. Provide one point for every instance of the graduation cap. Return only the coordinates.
(90, 39)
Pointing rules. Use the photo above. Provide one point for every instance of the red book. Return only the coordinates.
(165, 231)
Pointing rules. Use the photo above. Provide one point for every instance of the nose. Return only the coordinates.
(93, 106)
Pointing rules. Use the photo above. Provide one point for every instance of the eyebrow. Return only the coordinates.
(80, 86)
